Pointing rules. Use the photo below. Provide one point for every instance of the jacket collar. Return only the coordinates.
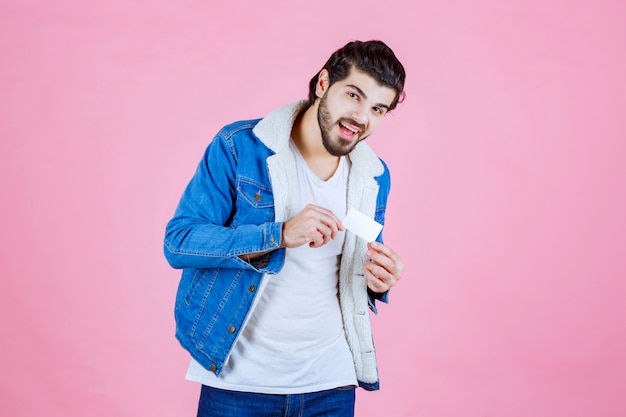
(274, 130)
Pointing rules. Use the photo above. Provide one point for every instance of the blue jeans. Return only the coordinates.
(216, 402)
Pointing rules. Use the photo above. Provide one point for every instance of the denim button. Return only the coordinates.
(251, 288)
(271, 239)
(231, 329)
(213, 368)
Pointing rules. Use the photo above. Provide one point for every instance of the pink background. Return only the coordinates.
(508, 200)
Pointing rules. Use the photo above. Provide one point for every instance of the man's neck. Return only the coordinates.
(307, 137)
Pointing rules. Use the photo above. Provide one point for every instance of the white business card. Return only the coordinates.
(361, 225)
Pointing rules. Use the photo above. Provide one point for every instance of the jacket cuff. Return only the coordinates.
(373, 296)
(272, 261)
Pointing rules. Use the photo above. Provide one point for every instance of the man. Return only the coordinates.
(274, 296)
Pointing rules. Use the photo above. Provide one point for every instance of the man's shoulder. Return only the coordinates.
(272, 131)
(244, 127)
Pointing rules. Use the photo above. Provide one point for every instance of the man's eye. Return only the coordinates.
(352, 95)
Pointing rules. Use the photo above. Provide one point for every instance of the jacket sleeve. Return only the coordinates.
(200, 236)
(384, 182)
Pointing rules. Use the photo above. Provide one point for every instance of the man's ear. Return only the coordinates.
(323, 81)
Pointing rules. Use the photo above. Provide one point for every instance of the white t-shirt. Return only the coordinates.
(294, 340)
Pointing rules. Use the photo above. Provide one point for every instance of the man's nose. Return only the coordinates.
(360, 115)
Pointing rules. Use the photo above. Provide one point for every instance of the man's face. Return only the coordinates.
(350, 110)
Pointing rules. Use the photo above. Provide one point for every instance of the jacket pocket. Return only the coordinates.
(255, 202)
(203, 279)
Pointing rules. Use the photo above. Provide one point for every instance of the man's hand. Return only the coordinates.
(313, 225)
(383, 267)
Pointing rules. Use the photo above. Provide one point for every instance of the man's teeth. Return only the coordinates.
(349, 128)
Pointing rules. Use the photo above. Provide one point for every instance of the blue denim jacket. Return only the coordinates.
(236, 204)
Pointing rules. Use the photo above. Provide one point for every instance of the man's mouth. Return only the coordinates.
(348, 130)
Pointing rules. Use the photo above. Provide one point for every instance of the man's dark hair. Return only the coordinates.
(373, 58)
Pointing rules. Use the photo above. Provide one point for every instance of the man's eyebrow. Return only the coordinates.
(362, 93)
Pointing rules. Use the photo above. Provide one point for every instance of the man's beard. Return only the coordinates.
(339, 146)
